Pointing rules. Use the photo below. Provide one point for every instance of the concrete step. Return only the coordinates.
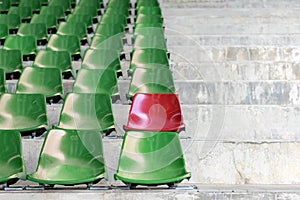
(236, 123)
(222, 92)
(211, 162)
(202, 192)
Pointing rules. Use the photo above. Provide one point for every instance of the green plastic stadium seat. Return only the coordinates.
(146, 3)
(102, 59)
(149, 19)
(92, 3)
(10, 60)
(86, 19)
(12, 164)
(151, 158)
(54, 59)
(149, 30)
(70, 43)
(117, 10)
(56, 10)
(110, 30)
(26, 44)
(24, 12)
(73, 28)
(48, 20)
(96, 81)
(4, 6)
(150, 41)
(87, 10)
(3, 32)
(87, 112)
(34, 4)
(46, 81)
(125, 5)
(11, 20)
(151, 81)
(15, 2)
(149, 10)
(114, 19)
(66, 5)
(39, 31)
(148, 58)
(27, 112)
(70, 157)
(2, 81)
(107, 42)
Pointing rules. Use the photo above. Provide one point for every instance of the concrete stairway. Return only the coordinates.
(236, 66)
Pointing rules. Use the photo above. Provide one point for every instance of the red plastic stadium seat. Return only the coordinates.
(155, 112)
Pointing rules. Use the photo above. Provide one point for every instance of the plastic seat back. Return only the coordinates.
(87, 10)
(3, 31)
(26, 112)
(87, 112)
(150, 41)
(149, 10)
(54, 59)
(155, 112)
(48, 20)
(66, 5)
(11, 20)
(110, 30)
(34, 4)
(70, 157)
(107, 42)
(151, 158)
(56, 10)
(68, 43)
(148, 58)
(151, 81)
(73, 28)
(46, 81)
(96, 81)
(38, 30)
(149, 19)
(114, 19)
(15, 2)
(26, 44)
(4, 6)
(11, 162)
(101, 59)
(24, 12)
(78, 18)
(10, 60)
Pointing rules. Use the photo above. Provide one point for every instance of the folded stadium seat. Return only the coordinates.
(34, 4)
(87, 112)
(49, 21)
(148, 58)
(117, 10)
(15, 2)
(55, 59)
(102, 59)
(87, 10)
(110, 29)
(92, 3)
(97, 81)
(4, 6)
(155, 112)
(27, 113)
(3, 33)
(11, 62)
(150, 41)
(73, 28)
(2, 81)
(46, 81)
(70, 157)
(107, 42)
(151, 158)
(149, 19)
(146, 3)
(119, 4)
(26, 44)
(12, 21)
(115, 19)
(38, 30)
(12, 164)
(86, 19)
(55, 10)
(70, 43)
(24, 12)
(152, 81)
(149, 10)
(66, 5)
